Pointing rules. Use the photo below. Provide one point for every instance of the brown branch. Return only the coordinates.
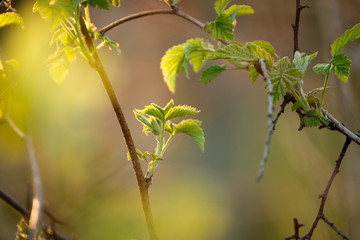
(297, 226)
(332, 225)
(26, 214)
(295, 26)
(126, 132)
(324, 195)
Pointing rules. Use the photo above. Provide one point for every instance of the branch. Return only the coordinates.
(26, 214)
(270, 116)
(297, 226)
(295, 26)
(332, 225)
(126, 132)
(37, 203)
(324, 195)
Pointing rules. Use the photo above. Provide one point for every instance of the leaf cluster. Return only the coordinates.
(222, 28)
(158, 120)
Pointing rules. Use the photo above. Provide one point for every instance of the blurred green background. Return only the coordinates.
(88, 182)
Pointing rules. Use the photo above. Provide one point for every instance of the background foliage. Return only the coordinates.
(88, 182)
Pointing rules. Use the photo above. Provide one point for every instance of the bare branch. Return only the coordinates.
(297, 226)
(270, 117)
(295, 26)
(324, 195)
(99, 67)
(332, 225)
(26, 214)
(37, 203)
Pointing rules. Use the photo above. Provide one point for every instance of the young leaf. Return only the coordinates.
(171, 63)
(267, 47)
(312, 119)
(235, 10)
(260, 53)
(222, 28)
(192, 128)
(142, 119)
(220, 5)
(340, 66)
(115, 3)
(22, 230)
(196, 51)
(10, 18)
(344, 39)
(59, 67)
(235, 53)
(152, 110)
(211, 73)
(253, 73)
(55, 10)
(322, 68)
(168, 106)
(301, 62)
(283, 78)
(180, 111)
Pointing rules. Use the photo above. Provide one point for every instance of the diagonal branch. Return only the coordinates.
(25, 213)
(126, 132)
(324, 195)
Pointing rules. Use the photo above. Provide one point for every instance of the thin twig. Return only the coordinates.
(126, 133)
(37, 202)
(295, 26)
(332, 225)
(286, 101)
(270, 116)
(297, 226)
(26, 214)
(324, 195)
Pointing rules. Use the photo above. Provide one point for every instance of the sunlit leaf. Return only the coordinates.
(115, 3)
(55, 10)
(196, 51)
(103, 4)
(192, 128)
(235, 53)
(222, 28)
(253, 73)
(168, 106)
(235, 10)
(171, 63)
(220, 5)
(267, 47)
(60, 63)
(211, 73)
(344, 39)
(180, 111)
(22, 230)
(152, 110)
(10, 18)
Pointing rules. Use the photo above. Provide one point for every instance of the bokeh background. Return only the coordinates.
(88, 182)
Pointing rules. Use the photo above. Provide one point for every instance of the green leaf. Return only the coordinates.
(235, 53)
(152, 110)
(344, 39)
(10, 18)
(142, 119)
(192, 128)
(171, 63)
(301, 62)
(322, 68)
(111, 44)
(211, 73)
(168, 106)
(61, 61)
(267, 47)
(340, 66)
(55, 10)
(312, 119)
(222, 28)
(253, 73)
(283, 78)
(103, 4)
(196, 51)
(220, 5)
(235, 10)
(180, 111)
(260, 53)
